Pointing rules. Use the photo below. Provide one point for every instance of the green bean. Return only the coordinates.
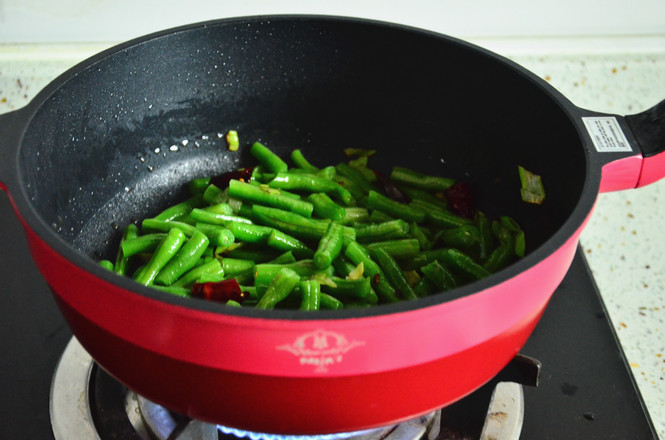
(401, 175)
(393, 272)
(300, 161)
(355, 176)
(174, 290)
(214, 195)
(382, 231)
(151, 224)
(267, 158)
(357, 254)
(305, 268)
(218, 235)
(285, 258)
(330, 302)
(107, 264)
(291, 223)
(426, 206)
(501, 255)
(220, 208)
(439, 276)
(360, 288)
(144, 243)
(251, 193)
(233, 303)
(163, 254)
(235, 266)
(328, 172)
(464, 264)
(201, 215)
(356, 190)
(462, 236)
(130, 232)
(486, 243)
(417, 233)
(310, 292)
(212, 267)
(520, 244)
(330, 246)
(445, 219)
(343, 266)
(249, 233)
(424, 288)
(325, 207)
(184, 260)
(360, 164)
(198, 186)
(310, 183)
(394, 208)
(420, 196)
(279, 288)
(283, 242)
(181, 209)
(378, 216)
(245, 252)
(398, 249)
(355, 215)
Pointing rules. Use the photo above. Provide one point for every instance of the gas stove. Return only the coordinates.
(585, 389)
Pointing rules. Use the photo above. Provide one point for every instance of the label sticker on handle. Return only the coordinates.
(606, 134)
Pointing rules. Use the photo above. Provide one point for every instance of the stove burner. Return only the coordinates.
(87, 404)
(409, 430)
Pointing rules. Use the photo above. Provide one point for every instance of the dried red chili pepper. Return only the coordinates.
(460, 199)
(222, 181)
(220, 291)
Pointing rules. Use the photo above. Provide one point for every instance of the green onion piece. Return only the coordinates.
(532, 190)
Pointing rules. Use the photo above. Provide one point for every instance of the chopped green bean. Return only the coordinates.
(299, 159)
(279, 288)
(267, 158)
(398, 249)
(163, 254)
(392, 270)
(250, 193)
(106, 264)
(439, 276)
(401, 175)
(130, 232)
(184, 260)
(325, 207)
(181, 209)
(394, 208)
(213, 267)
(310, 292)
(330, 246)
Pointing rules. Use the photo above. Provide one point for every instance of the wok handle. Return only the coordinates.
(649, 129)
(631, 149)
(12, 125)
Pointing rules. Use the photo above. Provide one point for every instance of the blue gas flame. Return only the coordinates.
(263, 436)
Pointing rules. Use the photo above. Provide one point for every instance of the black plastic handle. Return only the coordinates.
(649, 129)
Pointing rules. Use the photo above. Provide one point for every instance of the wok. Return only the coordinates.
(115, 138)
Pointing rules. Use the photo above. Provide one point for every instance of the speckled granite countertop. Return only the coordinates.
(624, 241)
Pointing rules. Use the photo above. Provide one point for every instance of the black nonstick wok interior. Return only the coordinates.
(119, 138)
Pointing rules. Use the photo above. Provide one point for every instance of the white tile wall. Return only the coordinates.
(119, 20)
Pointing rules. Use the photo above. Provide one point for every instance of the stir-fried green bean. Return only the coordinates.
(315, 238)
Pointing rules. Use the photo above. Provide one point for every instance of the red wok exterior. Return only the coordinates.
(333, 375)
